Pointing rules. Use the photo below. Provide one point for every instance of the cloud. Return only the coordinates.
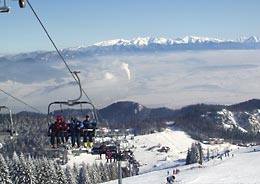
(124, 66)
(109, 76)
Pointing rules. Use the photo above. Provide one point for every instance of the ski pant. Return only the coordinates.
(64, 136)
(88, 136)
(53, 136)
(75, 136)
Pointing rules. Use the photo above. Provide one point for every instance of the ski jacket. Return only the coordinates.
(58, 126)
(75, 126)
(64, 126)
(89, 124)
(55, 127)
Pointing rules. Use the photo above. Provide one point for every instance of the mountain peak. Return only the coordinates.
(144, 41)
(113, 42)
(146, 44)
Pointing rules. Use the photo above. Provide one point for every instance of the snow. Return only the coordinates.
(145, 149)
(144, 41)
(241, 166)
(238, 169)
(113, 42)
(229, 120)
(147, 145)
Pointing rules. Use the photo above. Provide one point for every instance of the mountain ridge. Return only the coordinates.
(143, 44)
(201, 121)
(241, 120)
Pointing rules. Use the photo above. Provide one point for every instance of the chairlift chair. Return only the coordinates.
(8, 132)
(6, 9)
(75, 103)
(69, 104)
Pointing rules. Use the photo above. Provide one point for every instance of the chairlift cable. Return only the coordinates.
(56, 48)
(17, 99)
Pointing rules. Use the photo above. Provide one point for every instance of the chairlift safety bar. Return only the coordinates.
(73, 103)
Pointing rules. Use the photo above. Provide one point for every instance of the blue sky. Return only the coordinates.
(85, 22)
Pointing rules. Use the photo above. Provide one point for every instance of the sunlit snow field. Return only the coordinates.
(241, 166)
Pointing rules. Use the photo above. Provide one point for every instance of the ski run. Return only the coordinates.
(241, 165)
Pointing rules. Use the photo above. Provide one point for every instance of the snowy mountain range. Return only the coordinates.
(145, 44)
(162, 44)
(142, 42)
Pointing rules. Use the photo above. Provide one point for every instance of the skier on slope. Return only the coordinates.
(170, 179)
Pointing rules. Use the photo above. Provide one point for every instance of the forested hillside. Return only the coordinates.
(22, 169)
(235, 122)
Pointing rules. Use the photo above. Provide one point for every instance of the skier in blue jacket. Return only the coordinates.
(75, 127)
(88, 131)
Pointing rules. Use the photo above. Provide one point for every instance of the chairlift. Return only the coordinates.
(74, 102)
(6, 9)
(114, 137)
(7, 131)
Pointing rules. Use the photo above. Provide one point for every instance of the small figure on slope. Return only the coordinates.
(170, 179)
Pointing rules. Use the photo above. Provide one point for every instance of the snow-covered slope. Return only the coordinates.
(146, 150)
(241, 168)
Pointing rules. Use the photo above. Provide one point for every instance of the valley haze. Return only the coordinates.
(155, 72)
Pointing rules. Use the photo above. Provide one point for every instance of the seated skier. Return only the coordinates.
(88, 131)
(75, 127)
(54, 131)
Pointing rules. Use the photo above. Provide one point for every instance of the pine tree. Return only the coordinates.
(113, 170)
(200, 153)
(88, 175)
(188, 157)
(82, 174)
(60, 174)
(95, 174)
(208, 154)
(53, 171)
(15, 168)
(195, 154)
(32, 168)
(76, 171)
(26, 175)
(104, 172)
(71, 178)
(4, 172)
(46, 172)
